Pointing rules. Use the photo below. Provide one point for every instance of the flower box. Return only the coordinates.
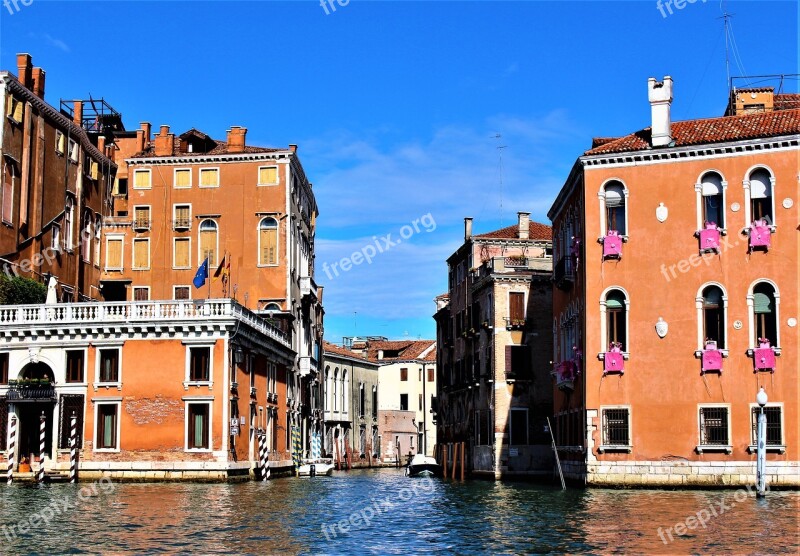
(612, 245)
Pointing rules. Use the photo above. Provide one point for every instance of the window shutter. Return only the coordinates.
(141, 179)
(18, 110)
(762, 303)
(140, 248)
(268, 246)
(94, 171)
(712, 186)
(268, 175)
(61, 141)
(208, 244)
(114, 255)
(8, 196)
(182, 253)
(615, 196)
(615, 301)
(183, 178)
(517, 305)
(509, 360)
(209, 177)
(760, 186)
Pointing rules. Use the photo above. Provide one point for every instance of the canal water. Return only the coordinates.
(382, 512)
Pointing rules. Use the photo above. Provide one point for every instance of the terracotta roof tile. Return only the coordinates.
(328, 347)
(786, 101)
(537, 231)
(712, 130)
(220, 148)
(407, 349)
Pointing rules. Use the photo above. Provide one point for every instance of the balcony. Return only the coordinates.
(565, 373)
(565, 273)
(308, 288)
(612, 245)
(30, 391)
(515, 323)
(182, 223)
(141, 224)
(613, 360)
(307, 365)
(764, 357)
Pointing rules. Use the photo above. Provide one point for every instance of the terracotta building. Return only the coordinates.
(677, 297)
(493, 326)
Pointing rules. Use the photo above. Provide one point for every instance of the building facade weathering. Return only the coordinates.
(493, 329)
(201, 346)
(676, 298)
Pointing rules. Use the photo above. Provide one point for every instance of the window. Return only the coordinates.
(403, 402)
(182, 178)
(344, 391)
(516, 307)
(9, 173)
(3, 368)
(268, 241)
(761, 197)
(181, 292)
(614, 205)
(71, 405)
(181, 252)
(86, 236)
(403, 374)
(209, 177)
(420, 375)
(141, 254)
(182, 217)
(431, 375)
(774, 425)
(75, 365)
(713, 307)
(198, 429)
(208, 243)
(420, 403)
(142, 179)
(69, 214)
(199, 364)
(114, 258)
(14, 109)
(73, 151)
(141, 293)
(362, 402)
(61, 141)
(616, 426)
(518, 362)
(374, 402)
(335, 381)
(141, 218)
(712, 206)
(518, 427)
(616, 319)
(267, 175)
(55, 242)
(482, 427)
(765, 315)
(107, 422)
(714, 426)
(121, 186)
(108, 363)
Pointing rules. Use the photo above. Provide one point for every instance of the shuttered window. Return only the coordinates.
(268, 241)
(182, 292)
(8, 192)
(141, 179)
(114, 253)
(141, 217)
(518, 362)
(714, 316)
(516, 306)
(198, 417)
(208, 242)
(107, 426)
(182, 253)
(183, 178)
(209, 177)
(14, 109)
(182, 216)
(267, 175)
(75, 365)
(761, 196)
(615, 208)
(616, 318)
(71, 404)
(60, 142)
(141, 254)
(765, 313)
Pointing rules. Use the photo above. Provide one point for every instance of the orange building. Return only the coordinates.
(676, 298)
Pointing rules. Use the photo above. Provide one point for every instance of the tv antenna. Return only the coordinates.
(500, 161)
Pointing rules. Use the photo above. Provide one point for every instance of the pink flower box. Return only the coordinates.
(760, 235)
(613, 362)
(612, 245)
(764, 359)
(709, 239)
(712, 360)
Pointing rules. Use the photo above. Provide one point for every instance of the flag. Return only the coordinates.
(221, 266)
(202, 275)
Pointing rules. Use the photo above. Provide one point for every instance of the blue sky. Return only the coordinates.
(395, 105)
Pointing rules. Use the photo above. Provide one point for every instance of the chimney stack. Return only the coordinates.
(467, 229)
(293, 148)
(24, 69)
(101, 143)
(236, 136)
(164, 142)
(77, 113)
(38, 82)
(660, 96)
(145, 126)
(523, 225)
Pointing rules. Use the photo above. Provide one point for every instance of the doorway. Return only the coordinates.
(29, 415)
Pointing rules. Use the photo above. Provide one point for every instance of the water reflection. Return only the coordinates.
(300, 516)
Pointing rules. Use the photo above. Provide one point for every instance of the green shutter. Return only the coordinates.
(615, 300)
(762, 303)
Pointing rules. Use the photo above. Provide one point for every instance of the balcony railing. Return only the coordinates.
(182, 223)
(141, 224)
(564, 273)
(24, 392)
(14, 316)
(515, 323)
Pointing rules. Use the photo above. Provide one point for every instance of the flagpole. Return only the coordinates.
(208, 272)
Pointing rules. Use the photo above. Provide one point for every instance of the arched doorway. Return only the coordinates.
(35, 397)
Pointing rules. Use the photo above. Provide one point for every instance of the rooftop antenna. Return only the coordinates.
(725, 17)
(500, 156)
(355, 323)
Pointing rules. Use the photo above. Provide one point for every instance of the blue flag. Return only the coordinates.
(202, 275)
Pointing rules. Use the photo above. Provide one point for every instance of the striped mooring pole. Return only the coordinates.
(40, 471)
(12, 450)
(262, 452)
(73, 449)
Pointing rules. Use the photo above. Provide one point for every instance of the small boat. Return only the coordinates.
(423, 466)
(315, 468)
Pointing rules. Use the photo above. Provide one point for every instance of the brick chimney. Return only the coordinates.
(293, 148)
(467, 228)
(38, 82)
(24, 69)
(523, 225)
(660, 96)
(77, 113)
(164, 141)
(101, 143)
(236, 136)
(146, 127)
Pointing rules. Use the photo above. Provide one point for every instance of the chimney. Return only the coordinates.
(38, 82)
(660, 96)
(145, 126)
(24, 69)
(293, 148)
(236, 135)
(523, 225)
(164, 142)
(467, 229)
(101, 143)
(139, 140)
(77, 113)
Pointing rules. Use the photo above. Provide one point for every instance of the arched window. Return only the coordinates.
(268, 241)
(616, 218)
(335, 380)
(713, 315)
(209, 234)
(616, 319)
(344, 391)
(765, 314)
(86, 236)
(272, 308)
(761, 197)
(712, 207)
(98, 226)
(69, 215)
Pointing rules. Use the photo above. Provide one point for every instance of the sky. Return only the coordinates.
(408, 116)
